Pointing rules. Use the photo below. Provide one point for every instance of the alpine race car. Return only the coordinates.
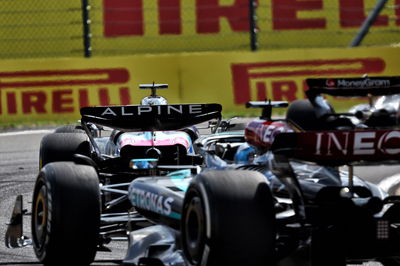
(272, 196)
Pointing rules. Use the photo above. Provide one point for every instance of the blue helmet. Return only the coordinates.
(244, 154)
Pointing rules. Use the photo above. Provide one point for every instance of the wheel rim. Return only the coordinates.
(40, 216)
(194, 229)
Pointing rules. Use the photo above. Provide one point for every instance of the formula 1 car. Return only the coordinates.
(323, 216)
(80, 199)
(380, 110)
(283, 203)
(117, 141)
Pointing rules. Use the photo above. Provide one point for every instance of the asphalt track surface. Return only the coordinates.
(19, 153)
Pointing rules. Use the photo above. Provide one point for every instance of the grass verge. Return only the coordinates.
(16, 125)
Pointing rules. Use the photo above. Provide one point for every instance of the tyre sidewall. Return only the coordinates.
(239, 219)
(72, 213)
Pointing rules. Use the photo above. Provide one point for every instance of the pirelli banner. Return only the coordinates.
(221, 24)
(56, 89)
(48, 28)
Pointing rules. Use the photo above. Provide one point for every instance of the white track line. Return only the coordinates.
(26, 132)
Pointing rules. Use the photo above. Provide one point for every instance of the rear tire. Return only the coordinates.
(302, 114)
(58, 147)
(228, 219)
(66, 214)
(69, 129)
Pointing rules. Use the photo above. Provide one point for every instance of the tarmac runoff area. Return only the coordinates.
(19, 151)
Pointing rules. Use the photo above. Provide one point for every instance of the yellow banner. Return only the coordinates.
(48, 28)
(55, 89)
(223, 24)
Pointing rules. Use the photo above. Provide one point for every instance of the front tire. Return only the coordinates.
(66, 214)
(228, 219)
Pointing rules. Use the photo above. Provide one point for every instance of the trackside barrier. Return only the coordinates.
(55, 89)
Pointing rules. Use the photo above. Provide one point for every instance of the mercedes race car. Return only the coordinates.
(273, 195)
(323, 215)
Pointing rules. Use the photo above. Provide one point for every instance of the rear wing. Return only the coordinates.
(340, 147)
(151, 117)
(348, 87)
(351, 87)
(267, 107)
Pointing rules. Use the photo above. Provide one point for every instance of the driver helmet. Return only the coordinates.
(154, 100)
(245, 154)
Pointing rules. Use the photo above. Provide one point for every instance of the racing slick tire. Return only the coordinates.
(66, 214)
(58, 147)
(302, 114)
(228, 218)
(69, 129)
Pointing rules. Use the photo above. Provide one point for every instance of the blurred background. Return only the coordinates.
(92, 28)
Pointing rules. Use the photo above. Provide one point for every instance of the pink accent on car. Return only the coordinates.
(157, 138)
